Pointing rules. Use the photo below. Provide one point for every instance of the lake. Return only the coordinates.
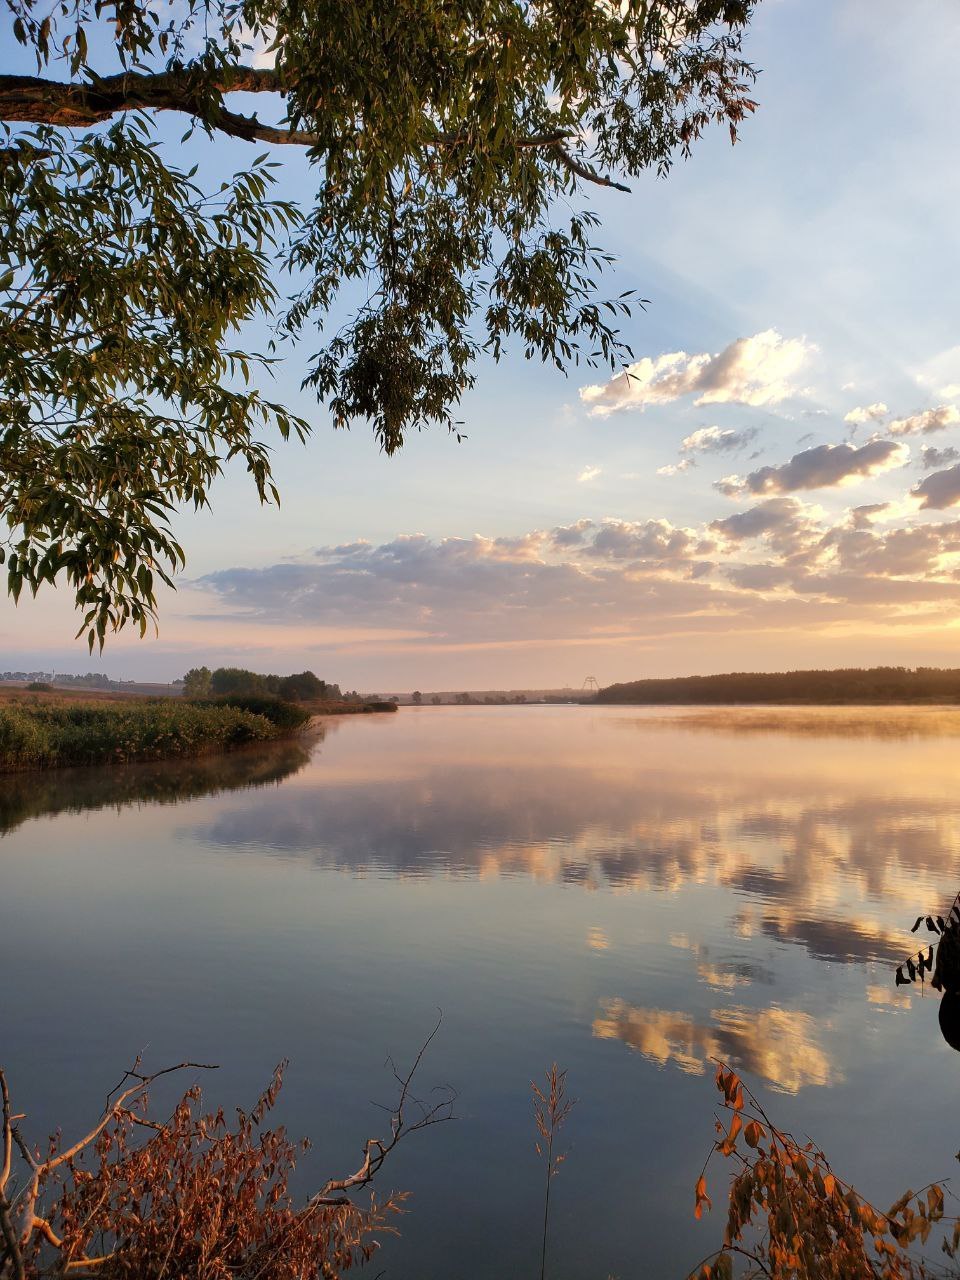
(626, 892)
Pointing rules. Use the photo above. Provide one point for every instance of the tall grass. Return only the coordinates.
(49, 735)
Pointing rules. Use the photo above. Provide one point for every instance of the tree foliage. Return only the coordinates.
(845, 685)
(304, 686)
(449, 146)
(790, 1217)
(197, 682)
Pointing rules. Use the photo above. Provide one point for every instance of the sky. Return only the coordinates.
(775, 485)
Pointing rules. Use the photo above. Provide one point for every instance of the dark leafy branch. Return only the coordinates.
(946, 973)
(450, 147)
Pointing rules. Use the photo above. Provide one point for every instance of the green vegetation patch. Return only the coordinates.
(281, 714)
(49, 735)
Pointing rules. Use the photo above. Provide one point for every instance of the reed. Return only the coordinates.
(46, 735)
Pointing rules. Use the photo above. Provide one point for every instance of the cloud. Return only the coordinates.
(706, 440)
(866, 413)
(718, 440)
(934, 457)
(570, 535)
(863, 516)
(822, 467)
(753, 371)
(939, 490)
(643, 540)
(896, 553)
(787, 523)
(588, 474)
(930, 420)
(781, 564)
(571, 582)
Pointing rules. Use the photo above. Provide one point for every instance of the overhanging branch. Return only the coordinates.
(584, 171)
(34, 100)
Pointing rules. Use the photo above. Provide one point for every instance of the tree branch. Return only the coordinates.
(584, 171)
(8, 1233)
(376, 1150)
(33, 100)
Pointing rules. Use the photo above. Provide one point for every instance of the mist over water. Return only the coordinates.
(630, 893)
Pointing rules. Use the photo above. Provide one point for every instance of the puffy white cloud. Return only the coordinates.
(866, 413)
(940, 490)
(675, 468)
(930, 420)
(588, 474)
(822, 467)
(755, 371)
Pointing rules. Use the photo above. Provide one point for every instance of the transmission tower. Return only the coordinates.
(590, 685)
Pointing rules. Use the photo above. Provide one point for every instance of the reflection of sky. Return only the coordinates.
(611, 889)
(819, 850)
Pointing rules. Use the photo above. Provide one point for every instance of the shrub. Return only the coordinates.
(281, 714)
(192, 1196)
(40, 686)
(200, 1198)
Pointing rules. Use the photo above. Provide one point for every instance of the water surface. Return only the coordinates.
(628, 892)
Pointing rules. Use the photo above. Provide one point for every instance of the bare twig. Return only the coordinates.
(30, 1223)
(376, 1150)
(11, 1243)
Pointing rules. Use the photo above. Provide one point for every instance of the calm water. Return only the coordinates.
(628, 892)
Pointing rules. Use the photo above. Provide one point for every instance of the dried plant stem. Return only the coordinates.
(550, 1110)
(546, 1210)
(192, 1195)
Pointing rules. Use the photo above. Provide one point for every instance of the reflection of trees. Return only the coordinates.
(778, 1045)
(33, 795)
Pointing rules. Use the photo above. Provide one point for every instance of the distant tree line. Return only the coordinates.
(92, 680)
(201, 682)
(848, 684)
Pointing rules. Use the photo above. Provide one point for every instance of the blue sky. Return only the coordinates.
(807, 273)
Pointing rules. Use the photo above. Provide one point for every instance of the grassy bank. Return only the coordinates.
(48, 733)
